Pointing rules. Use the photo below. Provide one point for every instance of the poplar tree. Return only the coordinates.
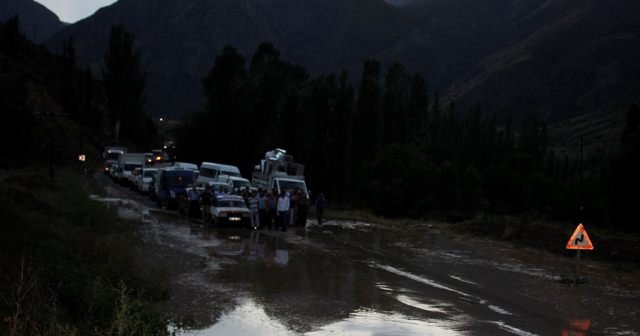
(124, 83)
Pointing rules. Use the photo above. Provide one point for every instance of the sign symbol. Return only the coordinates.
(579, 240)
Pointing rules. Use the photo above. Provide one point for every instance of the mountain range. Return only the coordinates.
(37, 21)
(560, 58)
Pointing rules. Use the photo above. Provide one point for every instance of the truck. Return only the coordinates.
(280, 172)
(110, 156)
(127, 162)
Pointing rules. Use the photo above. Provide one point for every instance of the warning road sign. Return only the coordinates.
(579, 240)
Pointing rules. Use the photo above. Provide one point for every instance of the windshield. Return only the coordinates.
(148, 173)
(180, 180)
(292, 185)
(113, 156)
(231, 204)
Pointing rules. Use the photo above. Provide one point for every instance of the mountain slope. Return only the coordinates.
(444, 39)
(585, 61)
(180, 39)
(38, 22)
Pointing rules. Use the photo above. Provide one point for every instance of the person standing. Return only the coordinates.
(270, 209)
(262, 207)
(303, 208)
(321, 203)
(293, 208)
(283, 211)
(253, 207)
(206, 199)
(194, 201)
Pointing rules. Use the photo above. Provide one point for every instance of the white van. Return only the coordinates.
(238, 183)
(216, 172)
(185, 165)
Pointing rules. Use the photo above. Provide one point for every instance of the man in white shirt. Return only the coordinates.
(283, 211)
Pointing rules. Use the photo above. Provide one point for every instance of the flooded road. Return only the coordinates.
(354, 278)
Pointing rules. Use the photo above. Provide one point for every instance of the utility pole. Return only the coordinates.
(51, 158)
(581, 204)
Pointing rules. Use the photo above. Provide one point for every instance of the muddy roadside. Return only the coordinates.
(615, 255)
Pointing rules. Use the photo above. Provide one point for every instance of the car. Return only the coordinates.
(148, 158)
(144, 180)
(230, 210)
(158, 155)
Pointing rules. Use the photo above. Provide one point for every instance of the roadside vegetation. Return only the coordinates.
(68, 263)
(392, 146)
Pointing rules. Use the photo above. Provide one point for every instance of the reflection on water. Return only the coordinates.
(247, 318)
(267, 249)
(354, 281)
(577, 328)
(370, 323)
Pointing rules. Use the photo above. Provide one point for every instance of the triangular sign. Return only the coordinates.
(579, 240)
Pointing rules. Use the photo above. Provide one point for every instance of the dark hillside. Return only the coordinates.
(49, 108)
(178, 40)
(586, 61)
(38, 22)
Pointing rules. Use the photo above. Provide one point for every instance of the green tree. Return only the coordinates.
(368, 122)
(124, 83)
(625, 175)
(395, 105)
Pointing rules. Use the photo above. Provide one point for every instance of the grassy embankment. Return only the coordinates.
(68, 263)
(620, 250)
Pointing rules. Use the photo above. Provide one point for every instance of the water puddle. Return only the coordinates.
(510, 329)
(369, 323)
(418, 278)
(247, 318)
(355, 278)
(419, 305)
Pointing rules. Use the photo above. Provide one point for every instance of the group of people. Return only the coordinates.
(269, 209)
(272, 210)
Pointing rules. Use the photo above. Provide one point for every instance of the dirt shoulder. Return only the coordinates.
(616, 251)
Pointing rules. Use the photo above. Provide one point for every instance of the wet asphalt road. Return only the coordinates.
(355, 278)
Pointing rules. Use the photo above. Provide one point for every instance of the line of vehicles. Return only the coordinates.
(169, 183)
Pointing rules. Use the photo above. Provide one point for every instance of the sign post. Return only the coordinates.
(579, 241)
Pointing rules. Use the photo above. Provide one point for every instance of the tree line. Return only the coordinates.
(386, 143)
(393, 146)
(57, 108)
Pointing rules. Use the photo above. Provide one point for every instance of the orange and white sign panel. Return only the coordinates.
(580, 240)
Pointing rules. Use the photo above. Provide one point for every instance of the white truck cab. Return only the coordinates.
(279, 171)
(127, 162)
